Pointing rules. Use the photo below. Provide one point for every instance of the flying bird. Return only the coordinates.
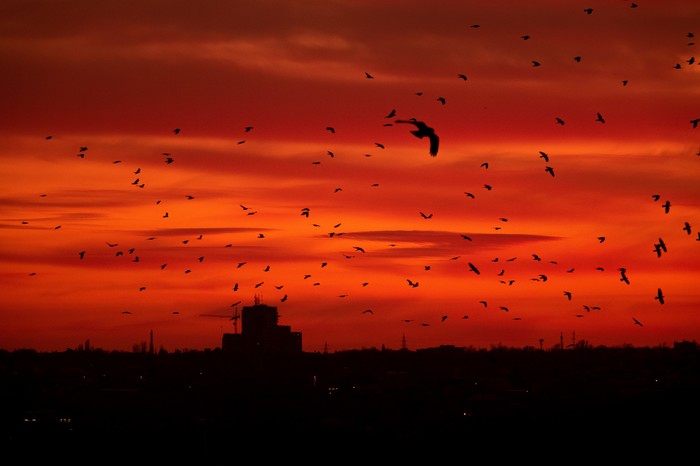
(545, 156)
(411, 283)
(391, 114)
(462, 76)
(659, 296)
(422, 131)
(425, 216)
(368, 76)
(176, 131)
(559, 121)
(473, 268)
(637, 322)
(549, 170)
(600, 118)
(687, 228)
(568, 295)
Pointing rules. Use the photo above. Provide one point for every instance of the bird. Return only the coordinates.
(381, 146)
(461, 76)
(588, 11)
(485, 165)
(368, 311)
(81, 254)
(686, 227)
(467, 237)
(473, 268)
(176, 131)
(695, 122)
(659, 296)
(469, 195)
(330, 129)
(577, 59)
(559, 121)
(667, 206)
(488, 187)
(568, 295)
(423, 130)
(600, 118)
(525, 37)
(484, 303)
(247, 129)
(391, 114)
(545, 156)
(425, 216)
(549, 170)
(358, 248)
(284, 298)
(601, 239)
(535, 63)
(637, 322)
(441, 100)
(368, 76)
(623, 275)
(662, 245)
(656, 197)
(411, 283)
(536, 257)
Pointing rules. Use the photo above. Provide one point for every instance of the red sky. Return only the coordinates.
(118, 77)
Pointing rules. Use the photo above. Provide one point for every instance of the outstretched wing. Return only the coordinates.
(434, 143)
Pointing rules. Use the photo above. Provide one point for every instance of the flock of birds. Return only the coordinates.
(428, 136)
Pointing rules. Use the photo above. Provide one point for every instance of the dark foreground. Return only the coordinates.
(211, 404)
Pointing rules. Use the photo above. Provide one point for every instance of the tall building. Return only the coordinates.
(261, 333)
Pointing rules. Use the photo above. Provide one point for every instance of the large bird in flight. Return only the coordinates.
(422, 131)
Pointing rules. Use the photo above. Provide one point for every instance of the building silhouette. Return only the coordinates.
(261, 333)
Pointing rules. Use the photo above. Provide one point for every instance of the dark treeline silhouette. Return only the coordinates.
(210, 402)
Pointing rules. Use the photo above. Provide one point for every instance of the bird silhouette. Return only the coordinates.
(667, 206)
(559, 121)
(462, 76)
(600, 118)
(391, 114)
(536, 63)
(659, 296)
(368, 76)
(425, 216)
(637, 322)
(422, 131)
(686, 227)
(545, 156)
(695, 122)
(568, 295)
(176, 131)
(474, 269)
(549, 170)
(411, 283)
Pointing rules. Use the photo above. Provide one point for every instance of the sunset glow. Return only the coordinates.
(171, 222)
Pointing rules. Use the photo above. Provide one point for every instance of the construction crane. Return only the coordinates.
(235, 317)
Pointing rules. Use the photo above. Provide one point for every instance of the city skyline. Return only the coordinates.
(164, 167)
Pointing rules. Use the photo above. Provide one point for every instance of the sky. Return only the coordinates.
(164, 165)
